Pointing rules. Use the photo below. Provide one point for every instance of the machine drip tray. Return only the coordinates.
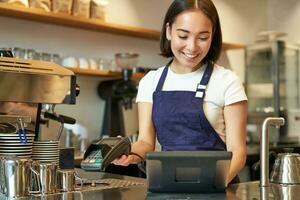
(94, 184)
(102, 184)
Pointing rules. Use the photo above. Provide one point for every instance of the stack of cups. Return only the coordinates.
(46, 151)
(47, 155)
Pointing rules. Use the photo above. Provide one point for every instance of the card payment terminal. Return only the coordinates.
(100, 154)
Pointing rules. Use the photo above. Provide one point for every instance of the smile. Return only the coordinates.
(190, 56)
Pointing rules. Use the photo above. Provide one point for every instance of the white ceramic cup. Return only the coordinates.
(83, 63)
(71, 62)
(93, 64)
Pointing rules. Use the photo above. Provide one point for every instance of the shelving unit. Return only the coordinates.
(34, 14)
(38, 15)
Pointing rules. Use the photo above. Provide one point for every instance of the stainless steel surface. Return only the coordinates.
(242, 191)
(264, 148)
(14, 119)
(108, 183)
(2, 186)
(251, 190)
(36, 82)
(47, 176)
(66, 181)
(286, 169)
(15, 177)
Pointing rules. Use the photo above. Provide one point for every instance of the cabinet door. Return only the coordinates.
(260, 78)
(289, 78)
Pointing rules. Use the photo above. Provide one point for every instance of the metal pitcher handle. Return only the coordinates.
(2, 179)
(80, 194)
(77, 177)
(37, 176)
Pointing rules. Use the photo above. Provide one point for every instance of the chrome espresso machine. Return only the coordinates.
(28, 166)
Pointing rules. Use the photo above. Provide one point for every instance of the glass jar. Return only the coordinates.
(55, 58)
(19, 52)
(30, 54)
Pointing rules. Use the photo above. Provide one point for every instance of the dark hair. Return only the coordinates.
(208, 8)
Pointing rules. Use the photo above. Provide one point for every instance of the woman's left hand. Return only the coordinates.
(125, 160)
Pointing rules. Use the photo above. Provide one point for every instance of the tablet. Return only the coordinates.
(187, 171)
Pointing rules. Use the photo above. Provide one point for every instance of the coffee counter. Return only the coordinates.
(131, 188)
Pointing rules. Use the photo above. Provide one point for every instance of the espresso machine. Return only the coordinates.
(35, 83)
(29, 84)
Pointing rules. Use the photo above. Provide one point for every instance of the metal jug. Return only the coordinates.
(47, 177)
(286, 169)
(1, 176)
(15, 177)
(66, 180)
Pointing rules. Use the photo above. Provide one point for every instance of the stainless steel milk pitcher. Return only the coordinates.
(1, 176)
(66, 180)
(47, 177)
(15, 177)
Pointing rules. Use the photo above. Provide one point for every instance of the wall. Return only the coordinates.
(284, 16)
(241, 20)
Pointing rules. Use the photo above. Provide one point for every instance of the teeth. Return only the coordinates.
(190, 55)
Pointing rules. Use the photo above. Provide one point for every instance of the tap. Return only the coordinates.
(264, 147)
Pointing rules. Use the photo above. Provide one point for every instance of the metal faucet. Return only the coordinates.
(264, 147)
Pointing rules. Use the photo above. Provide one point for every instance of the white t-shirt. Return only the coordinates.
(224, 88)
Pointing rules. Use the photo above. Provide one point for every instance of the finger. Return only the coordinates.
(129, 160)
(120, 160)
(124, 160)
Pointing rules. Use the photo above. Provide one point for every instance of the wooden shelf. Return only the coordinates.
(227, 46)
(39, 15)
(94, 72)
(137, 76)
(104, 73)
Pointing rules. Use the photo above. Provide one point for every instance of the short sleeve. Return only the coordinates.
(234, 91)
(146, 88)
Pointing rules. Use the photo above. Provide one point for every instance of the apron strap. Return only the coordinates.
(201, 87)
(163, 77)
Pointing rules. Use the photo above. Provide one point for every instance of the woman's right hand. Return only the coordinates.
(125, 160)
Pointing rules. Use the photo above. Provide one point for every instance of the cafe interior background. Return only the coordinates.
(243, 23)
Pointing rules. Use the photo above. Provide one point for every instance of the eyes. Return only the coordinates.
(186, 36)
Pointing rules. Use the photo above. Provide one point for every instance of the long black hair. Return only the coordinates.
(208, 8)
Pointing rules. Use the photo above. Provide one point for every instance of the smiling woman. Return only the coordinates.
(190, 42)
(207, 21)
(191, 103)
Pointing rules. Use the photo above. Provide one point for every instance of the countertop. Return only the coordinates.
(136, 189)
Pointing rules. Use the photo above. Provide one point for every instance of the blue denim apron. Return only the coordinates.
(179, 118)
